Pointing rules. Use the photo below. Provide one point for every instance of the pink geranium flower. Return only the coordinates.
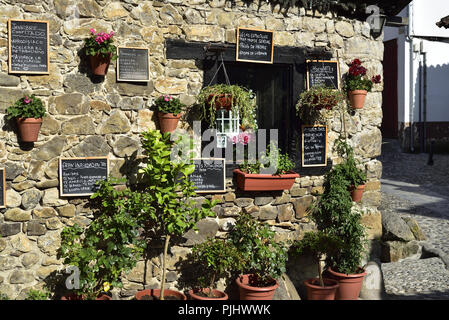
(27, 101)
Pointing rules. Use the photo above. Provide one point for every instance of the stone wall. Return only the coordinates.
(87, 117)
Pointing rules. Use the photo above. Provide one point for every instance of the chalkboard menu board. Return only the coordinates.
(209, 175)
(2, 188)
(254, 45)
(28, 46)
(323, 73)
(314, 142)
(133, 64)
(78, 176)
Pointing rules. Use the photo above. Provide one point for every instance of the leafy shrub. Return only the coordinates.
(27, 107)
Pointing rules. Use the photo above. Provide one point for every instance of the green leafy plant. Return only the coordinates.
(350, 166)
(242, 100)
(316, 105)
(170, 192)
(34, 294)
(272, 156)
(110, 245)
(217, 258)
(316, 244)
(100, 43)
(26, 107)
(263, 257)
(333, 215)
(168, 104)
(3, 297)
(356, 78)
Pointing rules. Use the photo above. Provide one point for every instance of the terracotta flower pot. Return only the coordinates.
(317, 292)
(29, 128)
(168, 294)
(74, 296)
(357, 98)
(168, 122)
(222, 101)
(350, 284)
(248, 292)
(218, 295)
(264, 182)
(99, 64)
(357, 193)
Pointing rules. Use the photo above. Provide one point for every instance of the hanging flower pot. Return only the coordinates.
(169, 112)
(357, 98)
(29, 128)
(100, 64)
(357, 193)
(168, 121)
(101, 50)
(221, 101)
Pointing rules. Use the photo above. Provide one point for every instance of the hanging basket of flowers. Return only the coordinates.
(101, 51)
(317, 104)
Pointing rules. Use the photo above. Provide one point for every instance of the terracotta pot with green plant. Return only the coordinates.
(101, 51)
(317, 104)
(169, 112)
(233, 98)
(108, 247)
(317, 244)
(264, 259)
(352, 170)
(28, 113)
(357, 84)
(272, 173)
(215, 258)
(171, 209)
(334, 215)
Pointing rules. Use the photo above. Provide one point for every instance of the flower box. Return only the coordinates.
(264, 182)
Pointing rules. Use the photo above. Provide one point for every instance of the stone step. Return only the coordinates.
(426, 279)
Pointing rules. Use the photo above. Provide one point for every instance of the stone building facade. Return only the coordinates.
(104, 118)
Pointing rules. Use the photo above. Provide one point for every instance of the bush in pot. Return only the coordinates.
(169, 112)
(109, 246)
(333, 214)
(170, 194)
(216, 258)
(101, 50)
(316, 105)
(264, 259)
(317, 244)
(28, 112)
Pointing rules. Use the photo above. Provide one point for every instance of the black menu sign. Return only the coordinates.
(209, 175)
(314, 142)
(323, 73)
(254, 45)
(2, 188)
(133, 64)
(78, 176)
(28, 46)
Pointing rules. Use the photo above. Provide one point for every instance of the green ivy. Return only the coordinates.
(26, 107)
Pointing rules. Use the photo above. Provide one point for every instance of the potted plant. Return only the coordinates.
(109, 246)
(317, 244)
(233, 98)
(169, 112)
(357, 84)
(215, 257)
(275, 173)
(101, 50)
(333, 214)
(352, 172)
(28, 112)
(263, 262)
(169, 193)
(316, 104)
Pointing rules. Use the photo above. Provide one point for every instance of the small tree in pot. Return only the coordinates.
(264, 259)
(28, 112)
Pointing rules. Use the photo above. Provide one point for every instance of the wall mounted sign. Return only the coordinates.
(2, 188)
(314, 143)
(323, 73)
(133, 64)
(28, 46)
(254, 45)
(78, 176)
(209, 175)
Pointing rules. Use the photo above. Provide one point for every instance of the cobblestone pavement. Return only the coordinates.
(411, 187)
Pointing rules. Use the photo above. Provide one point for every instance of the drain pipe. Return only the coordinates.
(424, 53)
(409, 39)
(420, 131)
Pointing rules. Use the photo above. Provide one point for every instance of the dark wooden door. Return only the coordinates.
(390, 93)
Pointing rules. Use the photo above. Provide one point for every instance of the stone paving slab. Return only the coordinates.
(416, 279)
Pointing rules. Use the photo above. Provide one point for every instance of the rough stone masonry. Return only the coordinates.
(113, 114)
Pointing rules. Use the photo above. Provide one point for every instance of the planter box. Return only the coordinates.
(264, 182)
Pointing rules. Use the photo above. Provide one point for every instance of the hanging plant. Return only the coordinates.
(317, 104)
